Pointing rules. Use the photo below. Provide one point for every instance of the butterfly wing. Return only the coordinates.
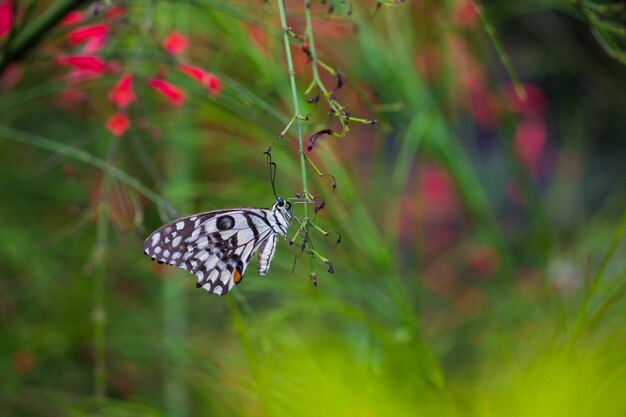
(216, 246)
(266, 253)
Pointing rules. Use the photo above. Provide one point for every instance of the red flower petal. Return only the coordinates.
(83, 33)
(213, 83)
(93, 45)
(6, 16)
(534, 104)
(203, 77)
(174, 94)
(175, 43)
(122, 93)
(69, 98)
(193, 72)
(117, 124)
(465, 14)
(92, 64)
(10, 77)
(530, 142)
(73, 17)
(115, 11)
(23, 361)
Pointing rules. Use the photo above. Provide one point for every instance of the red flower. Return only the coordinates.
(91, 64)
(23, 361)
(214, 84)
(205, 78)
(122, 93)
(438, 191)
(482, 260)
(174, 94)
(73, 17)
(83, 33)
(115, 11)
(258, 37)
(465, 14)
(533, 104)
(530, 142)
(175, 43)
(10, 77)
(483, 105)
(193, 72)
(6, 17)
(117, 124)
(70, 98)
(93, 45)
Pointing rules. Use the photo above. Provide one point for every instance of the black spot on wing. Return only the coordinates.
(225, 222)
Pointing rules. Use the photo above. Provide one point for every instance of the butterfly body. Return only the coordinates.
(217, 246)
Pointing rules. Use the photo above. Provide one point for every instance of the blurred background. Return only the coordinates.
(481, 270)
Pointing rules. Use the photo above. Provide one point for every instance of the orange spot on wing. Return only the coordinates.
(236, 276)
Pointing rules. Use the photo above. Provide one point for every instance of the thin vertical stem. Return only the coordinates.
(502, 54)
(311, 41)
(296, 105)
(314, 61)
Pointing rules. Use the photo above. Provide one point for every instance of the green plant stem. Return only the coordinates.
(311, 40)
(504, 57)
(294, 95)
(30, 36)
(315, 62)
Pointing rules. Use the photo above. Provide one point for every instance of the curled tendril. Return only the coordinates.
(315, 136)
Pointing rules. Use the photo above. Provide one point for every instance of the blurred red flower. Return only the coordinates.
(73, 17)
(6, 16)
(117, 124)
(122, 93)
(93, 45)
(484, 107)
(193, 72)
(482, 261)
(205, 78)
(83, 33)
(258, 37)
(530, 141)
(437, 189)
(23, 361)
(535, 102)
(10, 77)
(115, 11)
(171, 92)
(465, 14)
(214, 84)
(175, 43)
(88, 63)
(70, 98)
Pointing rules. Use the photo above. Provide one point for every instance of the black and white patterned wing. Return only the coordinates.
(216, 246)
(266, 253)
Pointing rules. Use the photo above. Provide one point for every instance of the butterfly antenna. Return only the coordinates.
(272, 166)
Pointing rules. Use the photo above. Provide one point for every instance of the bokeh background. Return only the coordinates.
(481, 270)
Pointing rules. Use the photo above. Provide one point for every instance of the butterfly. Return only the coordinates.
(217, 246)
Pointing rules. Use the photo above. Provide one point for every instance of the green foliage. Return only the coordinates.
(468, 282)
